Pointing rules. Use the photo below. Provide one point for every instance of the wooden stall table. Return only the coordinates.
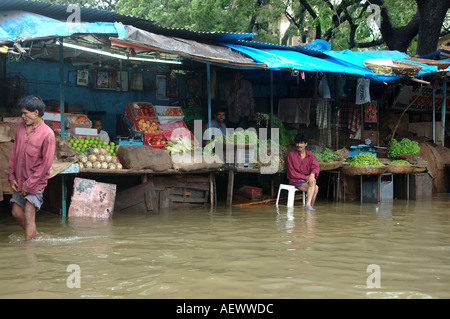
(176, 186)
(407, 170)
(332, 168)
(232, 172)
(361, 171)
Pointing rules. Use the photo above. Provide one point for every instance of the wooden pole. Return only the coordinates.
(63, 134)
(443, 111)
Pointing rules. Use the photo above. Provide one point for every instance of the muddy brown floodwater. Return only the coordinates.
(344, 250)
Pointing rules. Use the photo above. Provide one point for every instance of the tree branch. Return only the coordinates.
(313, 14)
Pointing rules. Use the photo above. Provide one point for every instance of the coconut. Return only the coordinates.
(92, 158)
(88, 164)
(97, 165)
(83, 159)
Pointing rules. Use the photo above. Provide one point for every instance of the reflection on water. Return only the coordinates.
(252, 252)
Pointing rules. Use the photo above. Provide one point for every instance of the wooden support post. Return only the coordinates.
(230, 187)
(211, 188)
(151, 201)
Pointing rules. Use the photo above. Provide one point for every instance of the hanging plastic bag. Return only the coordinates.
(362, 91)
(324, 89)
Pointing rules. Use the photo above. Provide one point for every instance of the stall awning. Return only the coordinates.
(205, 52)
(344, 62)
(24, 26)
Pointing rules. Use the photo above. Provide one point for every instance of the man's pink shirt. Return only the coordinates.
(31, 157)
(298, 169)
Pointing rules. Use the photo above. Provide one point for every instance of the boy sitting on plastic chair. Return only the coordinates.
(303, 169)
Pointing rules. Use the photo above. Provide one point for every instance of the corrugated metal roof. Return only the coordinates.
(264, 45)
(59, 12)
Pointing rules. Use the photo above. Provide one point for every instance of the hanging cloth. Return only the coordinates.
(294, 110)
(322, 114)
(323, 121)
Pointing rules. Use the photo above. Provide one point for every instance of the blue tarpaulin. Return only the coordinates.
(18, 25)
(344, 62)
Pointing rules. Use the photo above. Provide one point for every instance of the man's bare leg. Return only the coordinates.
(18, 214)
(26, 219)
(311, 190)
(30, 223)
(315, 192)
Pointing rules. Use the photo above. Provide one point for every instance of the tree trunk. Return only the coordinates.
(430, 27)
(398, 38)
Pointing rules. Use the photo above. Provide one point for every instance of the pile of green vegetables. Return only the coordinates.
(405, 146)
(399, 162)
(325, 155)
(242, 136)
(286, 136)
(365, 159)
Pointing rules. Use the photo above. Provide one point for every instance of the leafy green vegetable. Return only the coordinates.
(400, 162)
(325, 155)
(286, 136)
(242, 136)
(405, 146)
(365, 159)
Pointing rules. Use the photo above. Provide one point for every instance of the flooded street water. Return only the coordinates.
(252, 252)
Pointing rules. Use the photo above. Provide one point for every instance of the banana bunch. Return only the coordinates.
(179, 144)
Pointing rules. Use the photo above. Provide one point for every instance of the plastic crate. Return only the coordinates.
(179, 128)
(251, 192)
(164, 119)
(56, 125)
(149, 136)
(139, 129)
(72, 119)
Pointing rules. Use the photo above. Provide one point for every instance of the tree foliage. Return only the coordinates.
(347, 24)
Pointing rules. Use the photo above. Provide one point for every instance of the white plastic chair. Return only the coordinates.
(291, 194)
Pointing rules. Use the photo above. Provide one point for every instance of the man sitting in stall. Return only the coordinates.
(97, 124)
(217, 123)
(303, 169)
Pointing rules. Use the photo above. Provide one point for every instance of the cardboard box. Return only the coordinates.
(163, 119)
(92, 199)
(52, 116)
(83, 131)
(71, 118)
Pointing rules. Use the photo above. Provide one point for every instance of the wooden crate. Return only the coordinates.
(168, 191)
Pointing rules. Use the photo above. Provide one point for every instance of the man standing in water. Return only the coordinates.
(303, 169)
(29, 163)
